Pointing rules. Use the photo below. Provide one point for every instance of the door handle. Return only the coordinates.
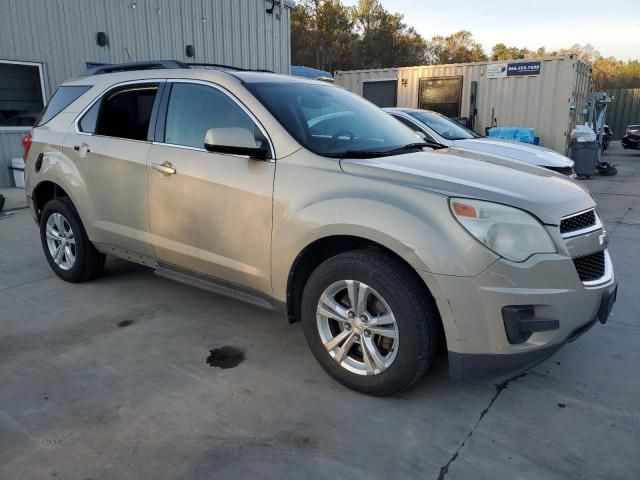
(165, 168)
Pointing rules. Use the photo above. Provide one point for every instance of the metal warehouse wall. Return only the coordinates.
(541, 101)
(624, 110)
(61, 34)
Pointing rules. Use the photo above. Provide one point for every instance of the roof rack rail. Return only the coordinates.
(126, 67)
(228, 67)
(157, 64)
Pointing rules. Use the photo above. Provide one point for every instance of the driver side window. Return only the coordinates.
(193, 109)
(413, 127)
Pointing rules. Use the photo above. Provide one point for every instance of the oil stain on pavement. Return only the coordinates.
(225, 357)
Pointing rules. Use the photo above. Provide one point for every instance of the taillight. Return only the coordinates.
(26, 145)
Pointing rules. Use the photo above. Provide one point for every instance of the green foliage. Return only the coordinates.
(607, 73)
(322, 34)
(459, 47)
(327, 35)
(330, 36)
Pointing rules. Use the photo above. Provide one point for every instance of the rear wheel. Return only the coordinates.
(65, 243)
(369, 323)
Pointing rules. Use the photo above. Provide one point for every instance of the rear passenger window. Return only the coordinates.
(126, 113)
(193, 109)
(63, 97)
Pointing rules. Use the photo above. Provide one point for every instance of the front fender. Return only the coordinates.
(415, 225)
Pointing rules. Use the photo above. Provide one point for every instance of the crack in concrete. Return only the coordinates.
(621, 220)
(618, 322)
(499, 388)
(28, 282)
(616, 194)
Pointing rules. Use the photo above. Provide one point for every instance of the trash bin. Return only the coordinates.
(17, 165)
(585, 154)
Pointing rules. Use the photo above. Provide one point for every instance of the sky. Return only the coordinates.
(611, 27)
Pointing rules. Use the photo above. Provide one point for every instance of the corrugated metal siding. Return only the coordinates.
(61, 34)
(542, 102)
(353, 80)
(580, 93)
(624, 110)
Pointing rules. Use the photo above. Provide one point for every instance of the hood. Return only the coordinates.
(462, 173)
(525, 152)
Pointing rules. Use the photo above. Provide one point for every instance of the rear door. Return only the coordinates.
(210, 213)
(110, 146)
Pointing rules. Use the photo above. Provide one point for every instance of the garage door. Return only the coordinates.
(383, 93)
(441, 94)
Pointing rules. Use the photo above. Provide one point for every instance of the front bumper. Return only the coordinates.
(470, 367)
(472, 309)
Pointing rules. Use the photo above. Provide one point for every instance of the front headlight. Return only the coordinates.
(511, 233)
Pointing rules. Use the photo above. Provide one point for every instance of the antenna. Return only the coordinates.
(127, 52)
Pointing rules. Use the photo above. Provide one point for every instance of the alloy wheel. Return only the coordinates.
(61, 241)
(357, 327)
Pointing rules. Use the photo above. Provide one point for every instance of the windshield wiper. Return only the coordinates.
(414, 146)
(385, 153)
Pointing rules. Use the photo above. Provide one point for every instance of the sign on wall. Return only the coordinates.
(497, 70)
(501, 70)
(523, 68)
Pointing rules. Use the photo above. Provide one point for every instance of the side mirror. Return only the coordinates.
(235, 141)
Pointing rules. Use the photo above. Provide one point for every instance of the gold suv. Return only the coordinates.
(304, 198)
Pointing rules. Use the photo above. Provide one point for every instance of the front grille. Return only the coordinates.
(578, 222)
(590, 267)
(568, 171)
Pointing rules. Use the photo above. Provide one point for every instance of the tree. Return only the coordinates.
(501, 52)
(609, 73)
(384, 39)
(327, 35)
(587, 52)
(459, 47)
(322, 34)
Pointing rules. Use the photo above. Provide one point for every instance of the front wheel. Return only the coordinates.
(65, 243)
(369, 322)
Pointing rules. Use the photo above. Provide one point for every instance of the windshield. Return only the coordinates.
(443, 126)
(331, 121)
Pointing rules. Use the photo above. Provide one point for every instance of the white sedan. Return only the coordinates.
(438, 128)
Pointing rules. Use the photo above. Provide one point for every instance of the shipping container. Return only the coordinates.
(546, 94)
(43, 43)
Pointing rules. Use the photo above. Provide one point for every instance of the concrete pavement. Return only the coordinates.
(14, 198)
(109, 380)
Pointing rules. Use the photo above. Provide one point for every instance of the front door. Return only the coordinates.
(209, 213)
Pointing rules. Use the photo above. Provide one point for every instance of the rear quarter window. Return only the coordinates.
(63, 97)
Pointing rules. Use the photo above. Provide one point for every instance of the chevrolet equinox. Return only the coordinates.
(383, 245)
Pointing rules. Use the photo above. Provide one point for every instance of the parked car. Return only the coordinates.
(631, 137)
(441, 129)
(380, 246)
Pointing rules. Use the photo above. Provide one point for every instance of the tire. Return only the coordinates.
(388, 285)
(79, 261)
